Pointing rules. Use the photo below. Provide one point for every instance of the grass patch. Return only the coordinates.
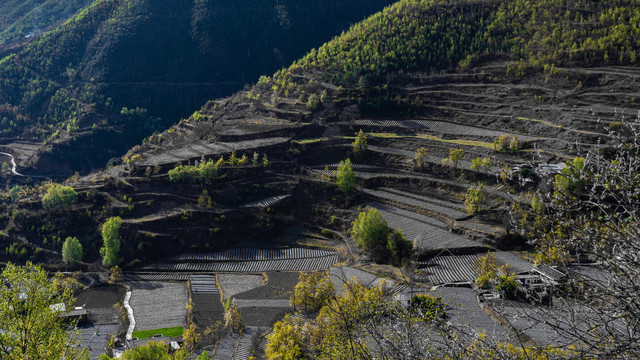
(388, 135)
(558, 126)
(310, 141)
(172, 332)
(459, 141)
(541, 121)
(435, 138)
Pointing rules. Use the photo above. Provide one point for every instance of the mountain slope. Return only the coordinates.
(434, 75)
(166, 58)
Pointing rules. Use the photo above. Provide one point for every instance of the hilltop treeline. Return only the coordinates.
(433, 35)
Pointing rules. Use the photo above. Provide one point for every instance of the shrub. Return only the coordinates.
(58, 197)
(455, 155)
(432, 308)
(420, 160)
(481, 164)
(206, 172)
(360, 144)
(474, 199)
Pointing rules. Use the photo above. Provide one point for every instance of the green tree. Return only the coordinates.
(474, 199)
(30, 323)
(481, 164)
(345, 177)
(370, 230)
(287, 340)
(420, 160)
(71, 251)
(514, 144)
(398, 246)
(58, 197)
(151, 351)
(360, 144)
(111, 241)
(312, 291)
(501, 143)
(455, 155)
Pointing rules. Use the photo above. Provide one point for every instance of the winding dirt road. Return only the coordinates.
(13, 164)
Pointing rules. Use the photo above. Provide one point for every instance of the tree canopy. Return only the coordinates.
(345, 177)
(71, 251)
(30, 323)
(111, 241)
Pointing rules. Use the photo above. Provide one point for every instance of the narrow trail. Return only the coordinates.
(132, 320)
(15, 172)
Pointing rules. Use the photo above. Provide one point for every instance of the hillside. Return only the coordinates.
(386, 76)
(65, 92)
(465, 124)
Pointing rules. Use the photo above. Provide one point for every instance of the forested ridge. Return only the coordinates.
(167, 58)
(432, 35)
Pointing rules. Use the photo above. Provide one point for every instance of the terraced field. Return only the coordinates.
(205, 295)
(427, 233)
(139, 276)
(252, 261)
(438, 127)
(207, 148)
(233, 284)
(270, 201)
(446, 269)
(227, 347)
(429, 204)
(158, 305)
(245, 344)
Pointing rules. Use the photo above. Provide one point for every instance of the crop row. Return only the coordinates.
(251, 254)
(448, 269)
(390, 150)
(444, 203)
(201, 284)
(424, 231)
(154, 277)
(226, 347)
(334, 166)
(207, 149)
(439, 127)
(245, 346)
(265, 202)
(360, 174)
(421, 203)
(308, 264)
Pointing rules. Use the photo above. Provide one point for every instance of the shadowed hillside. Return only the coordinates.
(68, 88)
